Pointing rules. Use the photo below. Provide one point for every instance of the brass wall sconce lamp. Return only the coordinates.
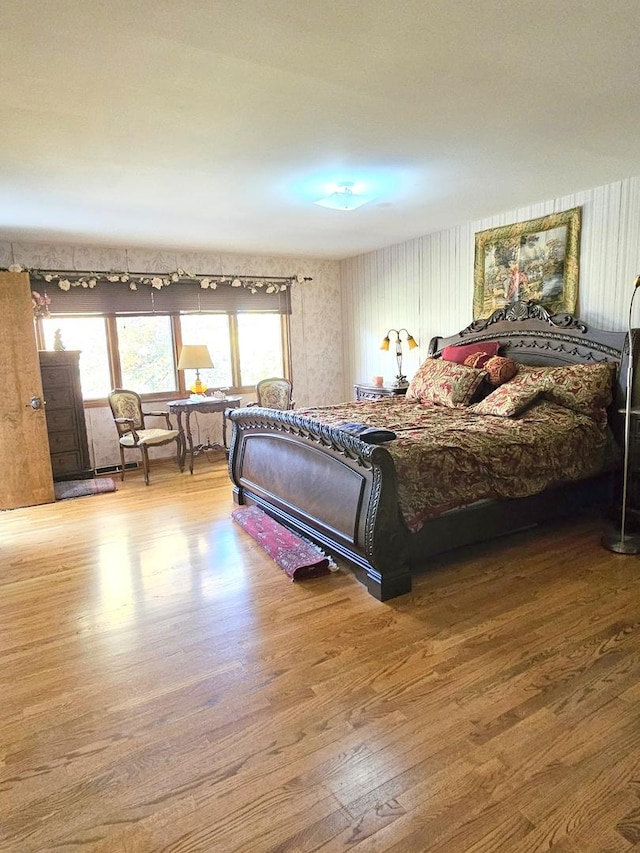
(401, 379)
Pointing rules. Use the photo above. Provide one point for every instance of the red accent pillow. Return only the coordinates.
(459, 354)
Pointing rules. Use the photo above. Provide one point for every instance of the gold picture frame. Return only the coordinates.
(537, 259)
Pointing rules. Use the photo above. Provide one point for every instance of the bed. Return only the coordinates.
(308, 472)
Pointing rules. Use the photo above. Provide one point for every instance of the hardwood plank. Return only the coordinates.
(165, 687)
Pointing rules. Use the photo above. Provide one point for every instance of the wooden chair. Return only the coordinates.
(275, 393)
(129, 419)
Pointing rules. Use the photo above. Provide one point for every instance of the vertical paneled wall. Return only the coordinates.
(380, 292)
(426, 284)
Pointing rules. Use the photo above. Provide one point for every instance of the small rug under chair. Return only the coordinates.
(297, 557)
(80, 488)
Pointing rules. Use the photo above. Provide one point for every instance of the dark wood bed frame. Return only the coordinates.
(342, 493)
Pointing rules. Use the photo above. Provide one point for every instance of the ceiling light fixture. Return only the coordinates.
(344, 197)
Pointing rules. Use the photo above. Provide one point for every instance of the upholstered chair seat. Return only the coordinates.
(149, 437)
(133, 434)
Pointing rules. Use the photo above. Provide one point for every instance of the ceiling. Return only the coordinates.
(213, 124)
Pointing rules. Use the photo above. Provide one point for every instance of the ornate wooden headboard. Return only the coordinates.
(529, 334)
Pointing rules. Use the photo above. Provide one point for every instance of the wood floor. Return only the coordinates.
(165, 687)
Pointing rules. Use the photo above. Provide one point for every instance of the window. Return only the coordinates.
(259, 362)
(138, 351)
(131, 338)
(213, 331)
(145, 347)
(89, 335)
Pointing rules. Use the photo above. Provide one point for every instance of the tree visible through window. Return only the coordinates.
(130, 329)
(140, 351)
(145, 345)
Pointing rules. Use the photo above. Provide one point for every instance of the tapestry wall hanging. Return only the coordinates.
(538, 260)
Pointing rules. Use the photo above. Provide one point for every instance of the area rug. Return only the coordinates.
(80, 488)
(298, 558)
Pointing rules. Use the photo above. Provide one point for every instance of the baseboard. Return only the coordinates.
(115, 469)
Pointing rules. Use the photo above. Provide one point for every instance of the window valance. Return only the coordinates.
(179, 292)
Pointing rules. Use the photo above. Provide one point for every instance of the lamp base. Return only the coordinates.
(198, 388)
(621, 545)
(400, 382)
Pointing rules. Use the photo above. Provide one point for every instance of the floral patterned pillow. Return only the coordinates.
(500, 370)
(445, 383)
(507, 401)
(585, 388)
(582, 387)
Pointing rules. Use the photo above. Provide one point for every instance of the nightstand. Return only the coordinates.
(376, 392)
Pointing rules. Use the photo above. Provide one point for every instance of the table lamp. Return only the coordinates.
(401, 379)
(195, 357)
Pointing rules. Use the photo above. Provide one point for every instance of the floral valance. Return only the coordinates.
(66, 279)
(118, 293)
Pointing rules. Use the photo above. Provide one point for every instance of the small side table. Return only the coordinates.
(376, 392)
(206, 405)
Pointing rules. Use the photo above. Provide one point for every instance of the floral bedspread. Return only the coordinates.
(447, 458)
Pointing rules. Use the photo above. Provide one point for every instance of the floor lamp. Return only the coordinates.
(621, 542)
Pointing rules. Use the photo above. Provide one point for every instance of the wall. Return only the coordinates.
(426, 284)
(316, 336)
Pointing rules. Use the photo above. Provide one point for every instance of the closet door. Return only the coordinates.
(25, 464)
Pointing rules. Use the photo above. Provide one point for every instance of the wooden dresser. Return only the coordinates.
(66, 424)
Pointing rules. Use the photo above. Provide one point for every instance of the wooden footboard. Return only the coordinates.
(342, 493)
(327, 485)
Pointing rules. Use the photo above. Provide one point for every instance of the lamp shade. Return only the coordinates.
(194, 357)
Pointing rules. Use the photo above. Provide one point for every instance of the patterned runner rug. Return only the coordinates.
(298, 558)
(80, 488)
